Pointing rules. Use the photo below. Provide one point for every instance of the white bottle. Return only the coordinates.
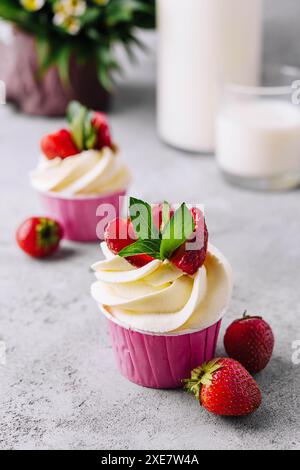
(203, 44)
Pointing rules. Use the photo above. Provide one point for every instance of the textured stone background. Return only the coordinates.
(60, 388)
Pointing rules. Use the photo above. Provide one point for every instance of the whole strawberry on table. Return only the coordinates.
(39, 237)
(224, 387)
(250, 340)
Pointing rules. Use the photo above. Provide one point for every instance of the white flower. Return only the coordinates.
(70, 7)
(72, 25)
(59, 19)
(32, 5)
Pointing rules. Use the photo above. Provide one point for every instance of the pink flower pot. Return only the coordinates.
(46, 95)
(78, 216)
(161, 361)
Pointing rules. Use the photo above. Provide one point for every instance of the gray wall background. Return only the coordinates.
(282, 31)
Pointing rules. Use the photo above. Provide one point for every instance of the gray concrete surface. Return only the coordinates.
(60, 388)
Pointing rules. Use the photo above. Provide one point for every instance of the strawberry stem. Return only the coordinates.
(245, 315)
(248, 317)
(201, 376)
(47, 232)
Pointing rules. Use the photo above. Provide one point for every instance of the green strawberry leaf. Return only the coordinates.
(142, 247)
(76, 115)
(142, 220)
(178, 229)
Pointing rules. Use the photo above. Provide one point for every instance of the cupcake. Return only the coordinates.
(80, 170)
(164, 291)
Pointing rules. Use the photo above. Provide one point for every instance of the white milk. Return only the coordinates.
(259, 139)
(203, 43)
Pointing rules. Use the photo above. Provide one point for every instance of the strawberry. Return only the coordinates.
(189, 261)
(59, 144)
(225, 388)
(118, 235)
(39, 237)
(100, 123)
(250, 340)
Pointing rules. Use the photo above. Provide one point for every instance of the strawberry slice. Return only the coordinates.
(189, 261)
(118, 235)
(59, 144)
(100, 123)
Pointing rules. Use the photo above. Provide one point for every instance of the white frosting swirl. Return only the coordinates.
(90, 172)
(159, 298)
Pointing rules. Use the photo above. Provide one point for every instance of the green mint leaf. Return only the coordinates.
(165, 214)
(142, 247)
(176, 231)
(76, 115)
(72, 110)
(90, 133)
(142, 220)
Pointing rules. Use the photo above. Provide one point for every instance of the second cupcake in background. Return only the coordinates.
(79, 170)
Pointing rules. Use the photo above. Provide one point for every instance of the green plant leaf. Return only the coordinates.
(179, 228)
(63, 64)
(105, 78)
(13, 12)
(142, 220)
(142, 247)
(45, 54)
(91, 15)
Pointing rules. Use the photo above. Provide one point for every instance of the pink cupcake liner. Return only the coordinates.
(78, 215)
(161, 361)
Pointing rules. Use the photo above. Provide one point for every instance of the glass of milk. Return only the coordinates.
(258, 134)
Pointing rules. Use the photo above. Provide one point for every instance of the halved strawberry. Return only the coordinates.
(118, 235)
(59, 144)
(100, 122)
(189, 260)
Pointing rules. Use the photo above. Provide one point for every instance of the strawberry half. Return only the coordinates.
(59, 144)
(250, 340)
(225, 388)
(39, 237)
(118, 235)
(189, 261)
(100, 123)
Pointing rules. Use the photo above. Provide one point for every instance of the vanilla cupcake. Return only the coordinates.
(164, 300)
(79, 171)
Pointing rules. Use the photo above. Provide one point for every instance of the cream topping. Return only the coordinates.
(89, 172)
(159, 298)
